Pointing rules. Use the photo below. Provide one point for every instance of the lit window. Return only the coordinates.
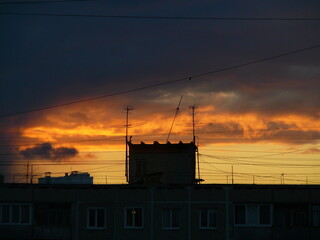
(208, 218)
(170, 218)
(15, 214)
(96, 218)
(252, 215)
(133, 218)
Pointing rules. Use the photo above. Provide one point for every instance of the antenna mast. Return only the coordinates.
(194, 141)
(193, 124)
(174, 118)
(127, 152)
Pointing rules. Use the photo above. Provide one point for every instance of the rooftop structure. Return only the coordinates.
(162, 164)
(74, 178)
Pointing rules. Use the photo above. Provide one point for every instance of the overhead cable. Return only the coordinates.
(188, 78)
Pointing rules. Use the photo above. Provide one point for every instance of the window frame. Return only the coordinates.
(96, 227)
(208, 218)
(10, 220)
(246, 224)
(133, 226)
(172, 211)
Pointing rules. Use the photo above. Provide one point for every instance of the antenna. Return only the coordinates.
(193, 124)
(194, 141)
(128, 108)
(174, 118)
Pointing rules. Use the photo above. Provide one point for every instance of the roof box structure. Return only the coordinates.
(162, 164)
(74, 178)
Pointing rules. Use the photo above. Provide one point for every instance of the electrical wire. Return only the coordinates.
(161, 17)
(188, 78)
(36, 2)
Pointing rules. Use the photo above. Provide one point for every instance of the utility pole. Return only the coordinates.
(27, 175)
(232, 174)
(126, 139)
(31, 174)
(282, 178)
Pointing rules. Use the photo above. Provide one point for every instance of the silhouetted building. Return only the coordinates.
(140, 212)
(74, 178)
(161, 202)
(162, 164)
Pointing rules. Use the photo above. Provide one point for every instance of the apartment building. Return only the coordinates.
(124, 212)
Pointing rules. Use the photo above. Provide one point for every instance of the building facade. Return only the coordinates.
(124, 212)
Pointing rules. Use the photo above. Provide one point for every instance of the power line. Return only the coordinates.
(160, 17)
(36, 2)
(263, 164)
(276, 154)
(189, 78)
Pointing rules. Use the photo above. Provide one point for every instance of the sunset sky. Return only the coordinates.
(261, 119)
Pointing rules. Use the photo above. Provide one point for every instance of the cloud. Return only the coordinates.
(47, 151)
(312, 151)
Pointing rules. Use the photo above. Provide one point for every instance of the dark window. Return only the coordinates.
(170, 218)
(96, 218)
(52, 214)
(92, 217)
(253, 214)
(240, 214)
(100, 218)
(5, 214)
(316, 216)
(133, 218)
(25, 214)
(14, 214)
(265, 214)
(300, 218)
(208, 218)
(295, 215)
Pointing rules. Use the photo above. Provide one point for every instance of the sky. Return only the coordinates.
(68, 70)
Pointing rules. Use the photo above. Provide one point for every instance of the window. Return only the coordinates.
(208, 218)
(316, 216)
(52, 214)
(96, 218)
(133, 218)
(170, 218)
(252, 215)
(291, 215)
(15, 214)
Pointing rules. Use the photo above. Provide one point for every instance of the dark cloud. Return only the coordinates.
(47, 151)
(58, 59)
